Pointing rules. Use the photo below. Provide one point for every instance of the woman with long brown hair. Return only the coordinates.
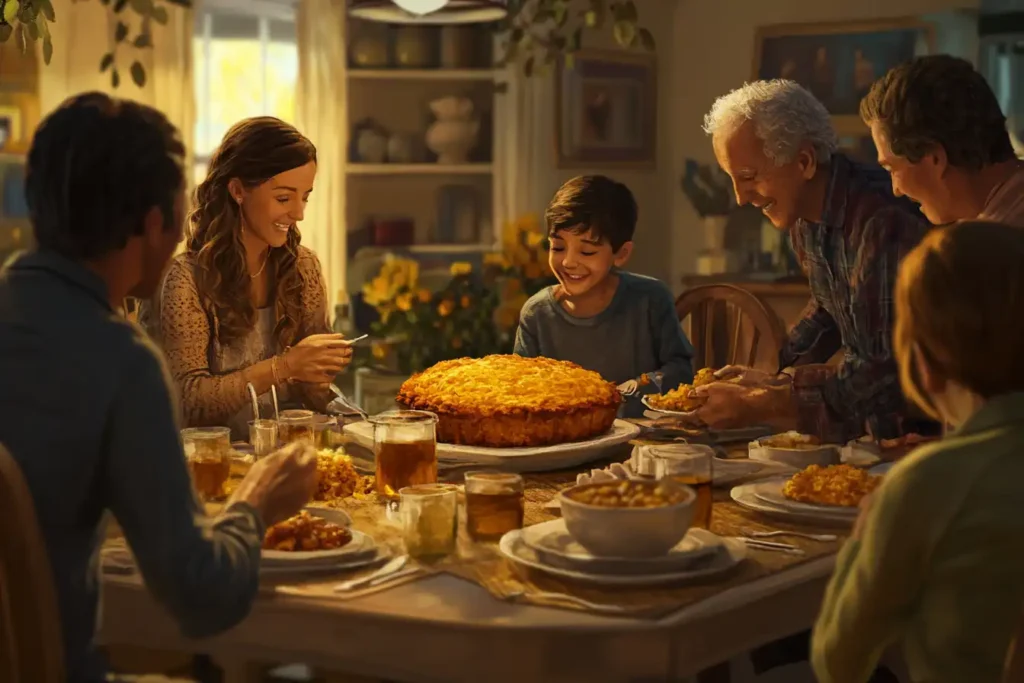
(246, 303)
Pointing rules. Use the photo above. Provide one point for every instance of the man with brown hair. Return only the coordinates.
(940, 133)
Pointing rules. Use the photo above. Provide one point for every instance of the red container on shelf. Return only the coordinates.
(393, 232)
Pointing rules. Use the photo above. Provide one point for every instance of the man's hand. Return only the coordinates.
(749, 377)
(731, 406)
(280, 484)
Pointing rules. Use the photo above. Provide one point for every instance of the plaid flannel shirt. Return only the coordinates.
(850, 259)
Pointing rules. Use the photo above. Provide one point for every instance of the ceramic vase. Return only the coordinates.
(453, 136)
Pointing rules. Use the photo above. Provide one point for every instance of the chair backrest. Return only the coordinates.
(729, 326)
(31, 645)
(1013, 672)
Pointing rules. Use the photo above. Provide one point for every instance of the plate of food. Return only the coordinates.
(794, 449)
(315, 536)
(678, 401)
(820, 493)
(523, 414)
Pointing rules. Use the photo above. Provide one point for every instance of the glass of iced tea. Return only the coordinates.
(295, 425)
(208, 453)
(692, 465)
(494, 504)
(430, 520)
(405, 449)
(325, 431)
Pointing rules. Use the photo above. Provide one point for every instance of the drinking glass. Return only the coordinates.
(430, 519)
(295, 425)
(494, 504)
(263, 437)
(405, 449)
(325, 431)
(692, 465)
(208, 453)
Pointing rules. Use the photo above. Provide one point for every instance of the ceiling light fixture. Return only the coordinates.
(438, 12)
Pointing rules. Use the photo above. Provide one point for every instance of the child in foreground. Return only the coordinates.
(937, 558)
(616, 323)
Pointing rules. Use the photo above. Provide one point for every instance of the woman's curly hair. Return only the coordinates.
(254, 150)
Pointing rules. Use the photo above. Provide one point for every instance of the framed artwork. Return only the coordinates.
(839, 62)
(606, 110)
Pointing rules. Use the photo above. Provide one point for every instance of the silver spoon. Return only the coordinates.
(390, 567)
(255, 401)
(797, 534)
(273, 396)
(565, 597)
(348, 403)
(350, 342)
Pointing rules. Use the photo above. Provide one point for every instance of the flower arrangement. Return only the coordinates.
(476, 313)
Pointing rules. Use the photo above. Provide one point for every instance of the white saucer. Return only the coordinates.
(730, 553)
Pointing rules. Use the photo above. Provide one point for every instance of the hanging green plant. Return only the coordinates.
(538, 32)
(27, 21)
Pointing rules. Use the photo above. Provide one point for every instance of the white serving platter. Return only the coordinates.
(540, 459)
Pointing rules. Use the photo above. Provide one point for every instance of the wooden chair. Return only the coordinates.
(31, 645)
(730, 326)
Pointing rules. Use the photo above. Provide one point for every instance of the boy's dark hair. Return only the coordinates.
(594, 203)
(96, 167)
(939, 100)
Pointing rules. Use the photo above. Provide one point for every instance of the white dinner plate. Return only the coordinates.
(540, 459)
(555, 546)
(662, 411)
(359, 547)
(745, 497)
(730, 553)
(770, 491)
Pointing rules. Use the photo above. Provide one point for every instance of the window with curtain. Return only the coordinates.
(245, 64)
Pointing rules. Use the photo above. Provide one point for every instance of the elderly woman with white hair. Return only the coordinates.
(776, 142)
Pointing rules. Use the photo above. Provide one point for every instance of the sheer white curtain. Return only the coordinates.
(82, 35)
(322, 116)
(523, 115)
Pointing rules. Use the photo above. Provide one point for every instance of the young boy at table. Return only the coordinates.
(937, 558)
(619, 324)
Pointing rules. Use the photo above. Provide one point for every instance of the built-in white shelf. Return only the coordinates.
(419, 169)
(423, 74)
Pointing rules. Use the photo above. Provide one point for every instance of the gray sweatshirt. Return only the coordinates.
(637, 333)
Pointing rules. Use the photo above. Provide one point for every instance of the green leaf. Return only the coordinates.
(33, 31)
(143, 40)
(569, 61)
(5, 32)
(115, 79)
(46, 7)
(47, 50)
(625, 33)
(106, 61)
(138, 73)
(120, 32)
(141, 6)
(19, 38)
(575, 40)
(10, 13)
(646, 39)
(159, 15)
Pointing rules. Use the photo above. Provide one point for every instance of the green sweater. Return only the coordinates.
(940, 563)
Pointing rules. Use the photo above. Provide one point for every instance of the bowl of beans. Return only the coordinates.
(628, 519)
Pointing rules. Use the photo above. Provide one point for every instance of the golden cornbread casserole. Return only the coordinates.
(506, 401)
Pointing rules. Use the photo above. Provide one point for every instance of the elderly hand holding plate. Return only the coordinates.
(750, 377)
(731, 404)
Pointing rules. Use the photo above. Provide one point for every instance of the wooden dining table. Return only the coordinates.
(443, 627)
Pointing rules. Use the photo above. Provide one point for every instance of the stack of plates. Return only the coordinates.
(361, 551)
(548, 547)
(767, 498)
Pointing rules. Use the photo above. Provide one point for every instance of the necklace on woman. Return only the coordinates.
(262, 268)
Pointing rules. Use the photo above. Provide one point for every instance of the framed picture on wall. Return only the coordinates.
(606, 110)
(838, 62)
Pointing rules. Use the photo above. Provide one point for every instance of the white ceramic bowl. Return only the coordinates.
(824, 454)
(628, 532)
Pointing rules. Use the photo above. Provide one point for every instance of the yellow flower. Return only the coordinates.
(404, 301)
(461, 268)
(495, 259)
(379, 350)
(424, 296)
(445, 308)
(464, 301)
(533, 239)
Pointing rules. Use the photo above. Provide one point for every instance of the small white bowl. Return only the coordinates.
(628, 532)
(824, 454)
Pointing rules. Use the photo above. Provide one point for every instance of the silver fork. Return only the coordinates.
(769, 545)
(565, 597)
(795, 534)
(347, 402)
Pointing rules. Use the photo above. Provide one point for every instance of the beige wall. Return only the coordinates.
(704, 49)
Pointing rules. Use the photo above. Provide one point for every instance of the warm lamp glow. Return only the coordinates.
(421, 7)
